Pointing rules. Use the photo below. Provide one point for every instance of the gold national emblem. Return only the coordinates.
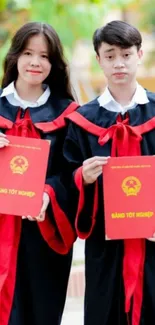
(19, 165)
(131, 185)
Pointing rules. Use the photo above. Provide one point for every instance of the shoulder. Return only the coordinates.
(90, 109)
(60, 105)
(86, 118)
(151, 96)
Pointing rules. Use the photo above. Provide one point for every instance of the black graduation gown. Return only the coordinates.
(41, 272)
(104, 293)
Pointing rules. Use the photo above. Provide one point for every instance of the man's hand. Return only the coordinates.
(92, 168)
(41, 216)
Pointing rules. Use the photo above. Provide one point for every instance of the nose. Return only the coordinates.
(119, 63)
(34, 60)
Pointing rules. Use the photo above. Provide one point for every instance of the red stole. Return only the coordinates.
(10, 230)
(126, 142)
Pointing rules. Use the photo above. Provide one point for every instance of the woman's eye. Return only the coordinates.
(27, 53)
(44, 56)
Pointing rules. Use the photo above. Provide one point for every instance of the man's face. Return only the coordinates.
(119, 65)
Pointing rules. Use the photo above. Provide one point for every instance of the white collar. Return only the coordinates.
(140, 97)
(11, 90)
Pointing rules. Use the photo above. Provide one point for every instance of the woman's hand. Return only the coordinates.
(152, 238)
(92, 168)
(41, 216)
(107, 238)
(4, 142)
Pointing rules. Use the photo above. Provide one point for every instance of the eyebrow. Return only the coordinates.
(28, 49)
(109, 50)
(44, 52)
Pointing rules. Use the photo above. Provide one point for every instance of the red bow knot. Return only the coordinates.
(126, 139)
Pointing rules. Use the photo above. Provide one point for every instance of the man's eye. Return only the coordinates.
(109, 57)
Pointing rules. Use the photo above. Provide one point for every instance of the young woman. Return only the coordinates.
(35, 98)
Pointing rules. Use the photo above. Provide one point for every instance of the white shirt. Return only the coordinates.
(13, 98)
(107, 101)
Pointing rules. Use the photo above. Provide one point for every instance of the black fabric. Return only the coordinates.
(41, 282)
(45, 113)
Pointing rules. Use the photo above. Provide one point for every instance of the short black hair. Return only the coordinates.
(118, 33)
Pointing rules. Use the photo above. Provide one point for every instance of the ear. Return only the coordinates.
(98, 59)
(140, 54)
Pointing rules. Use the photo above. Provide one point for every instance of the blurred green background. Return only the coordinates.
(75, 21)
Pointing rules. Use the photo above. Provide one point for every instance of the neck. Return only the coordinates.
(123, 94)
(28, 92)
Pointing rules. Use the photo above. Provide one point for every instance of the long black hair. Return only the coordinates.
(58, 79)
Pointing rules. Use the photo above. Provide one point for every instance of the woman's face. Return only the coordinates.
(33, 63)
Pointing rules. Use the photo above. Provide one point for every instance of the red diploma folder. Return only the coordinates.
(23, 167)
(129, 197)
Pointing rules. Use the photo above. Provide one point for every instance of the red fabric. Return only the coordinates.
(10, 226)
(106, 134)
(5, 124)
(63, 241)
(59, 122)
(79, 184)
(10, 229)
(125, 142)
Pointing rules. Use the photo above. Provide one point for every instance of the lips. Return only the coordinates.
(34, 71)
(119, 74)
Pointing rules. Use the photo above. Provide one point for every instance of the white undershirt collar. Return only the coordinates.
(14, 99)
(107, 101)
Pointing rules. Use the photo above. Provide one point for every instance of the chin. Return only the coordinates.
(34, 82)
(120, 82)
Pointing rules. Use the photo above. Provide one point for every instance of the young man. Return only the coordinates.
(120, 275)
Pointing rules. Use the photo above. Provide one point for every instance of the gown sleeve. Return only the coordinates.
(57, 229)
(83, 199)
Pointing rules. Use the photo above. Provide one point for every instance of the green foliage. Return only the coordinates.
(3, 51)
(73, 20)
(3, 4)
(148, 15)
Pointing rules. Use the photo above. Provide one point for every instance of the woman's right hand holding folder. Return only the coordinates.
(3, 140)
